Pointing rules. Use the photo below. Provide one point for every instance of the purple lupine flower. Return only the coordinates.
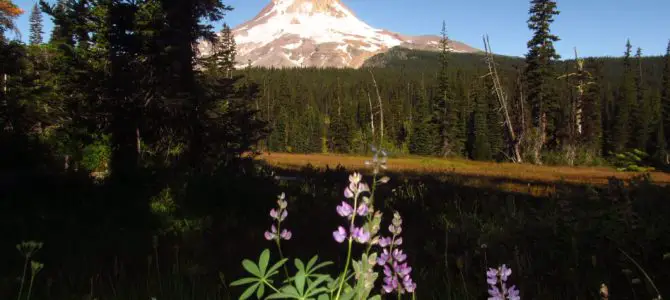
(505, 272)
(286, 234)
(360, 235)
(409, 285)
(492, 276)
(272, 234)
(497, 280)
(398, 255)
(362, 210)
(396, 270)
(513, 293)
(345, 210)
(340, 234)
(384, 242)
(383, 257)
(278, 214)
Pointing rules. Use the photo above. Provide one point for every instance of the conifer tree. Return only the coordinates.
(422, 137)
(445, 113)
(665, 104)
(641, 110)
(228, 51)
(36, 26)
(539, 72)
(592, 114)
(481, 147)
(621, 130)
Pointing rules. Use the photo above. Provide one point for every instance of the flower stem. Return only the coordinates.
(23, 278)
(281, 255)
(30, 287)
(351, 239)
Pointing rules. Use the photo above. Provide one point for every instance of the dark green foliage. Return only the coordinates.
(592, 102)
(665, 100)
(36, 25)
(625, 100)
(339, 135)
(481, 146)
(641, 110)
(540, 60)
(422, 135)
(446, 108)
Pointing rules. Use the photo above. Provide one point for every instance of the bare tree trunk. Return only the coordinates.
(381, 111)
(372, 118)
(502, 100)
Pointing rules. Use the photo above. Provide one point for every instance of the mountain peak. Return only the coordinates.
(317, 33)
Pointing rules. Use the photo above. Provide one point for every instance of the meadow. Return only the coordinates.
(520, 178)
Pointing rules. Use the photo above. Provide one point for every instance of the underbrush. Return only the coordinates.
(186, 240)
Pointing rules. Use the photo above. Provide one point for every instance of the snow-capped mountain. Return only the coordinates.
(317, 33)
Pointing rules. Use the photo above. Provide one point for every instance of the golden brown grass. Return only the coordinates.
(509, 176)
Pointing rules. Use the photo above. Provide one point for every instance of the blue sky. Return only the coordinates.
(595, 27)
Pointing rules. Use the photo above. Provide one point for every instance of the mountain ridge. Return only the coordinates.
(317, 33)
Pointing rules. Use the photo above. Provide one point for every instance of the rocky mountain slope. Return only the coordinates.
(317, 33)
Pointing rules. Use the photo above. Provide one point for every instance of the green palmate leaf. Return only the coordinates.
(299, 265)
(263, 261)
(300, 282)
(323, 297)
(375, 297)
(275, 267)
(249, 291)
(244, 281)
(260, 291)
(312, 261)
(251, 267)
(311, 271)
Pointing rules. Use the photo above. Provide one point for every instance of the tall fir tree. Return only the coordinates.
(665, 104)
(421, 140)
(481, 146)
(626, 98)
(540, 71)
(445, 114)
(592, 133)
(36, 25)
(641, 110)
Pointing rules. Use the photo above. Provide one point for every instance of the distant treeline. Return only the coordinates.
(329, 110)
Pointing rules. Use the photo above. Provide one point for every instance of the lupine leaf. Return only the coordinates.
(251, 267)
(263, 261)
(276, 266)
(291, 291)
(244, 281)
(299, 265)
(376, 297)
(319, 266)
(260, 291)
(323, 297)
(300, 282)
(250, 290)
(312, 261)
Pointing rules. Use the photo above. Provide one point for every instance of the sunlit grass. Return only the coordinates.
(526, 178)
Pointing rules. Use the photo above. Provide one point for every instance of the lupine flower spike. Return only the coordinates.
(497, 280)
(396, 270)
(279, 215)
(346, 210)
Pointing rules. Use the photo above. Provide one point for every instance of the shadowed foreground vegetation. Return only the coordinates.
(561, 246)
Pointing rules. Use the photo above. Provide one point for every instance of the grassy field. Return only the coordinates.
(529, 178)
